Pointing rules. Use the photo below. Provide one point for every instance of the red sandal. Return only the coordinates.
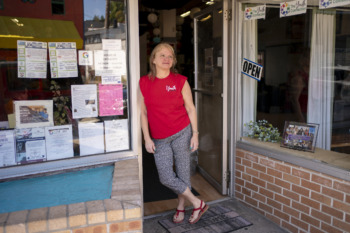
(177, 214)
(201, 212)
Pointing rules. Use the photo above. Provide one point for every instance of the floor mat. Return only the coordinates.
(217, 219)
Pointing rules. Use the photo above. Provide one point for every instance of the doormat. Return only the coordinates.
(217, 219)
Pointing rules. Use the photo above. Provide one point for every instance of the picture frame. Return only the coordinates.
(300, 136)
(33, 113)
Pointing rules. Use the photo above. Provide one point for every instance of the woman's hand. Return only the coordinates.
(150, 147)
(194, 142)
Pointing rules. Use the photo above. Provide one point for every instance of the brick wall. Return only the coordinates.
(297, 199)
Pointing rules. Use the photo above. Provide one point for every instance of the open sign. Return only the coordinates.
(252, 69)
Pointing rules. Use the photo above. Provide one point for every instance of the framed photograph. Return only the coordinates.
(34, 113)
(299, 136)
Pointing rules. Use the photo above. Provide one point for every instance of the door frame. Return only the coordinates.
(226, 174)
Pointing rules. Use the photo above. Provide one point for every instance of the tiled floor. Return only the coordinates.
(260, 223)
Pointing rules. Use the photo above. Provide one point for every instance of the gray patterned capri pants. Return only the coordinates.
(175, 148)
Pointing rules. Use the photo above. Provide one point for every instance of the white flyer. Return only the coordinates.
(325, 4)
(86, 58)
(293, 8)
(258, 12)
(32, 59)
(84, 101)
(7, 148)
(111, 44)
(116, 135)
(91, 138)
(59, 142)
(109, 62)
(63, 59)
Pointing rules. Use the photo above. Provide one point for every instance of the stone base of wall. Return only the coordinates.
(121, 213)
(298, 199)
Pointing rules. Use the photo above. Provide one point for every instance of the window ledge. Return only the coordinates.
(327, 162)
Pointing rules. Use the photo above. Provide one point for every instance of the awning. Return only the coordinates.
(17, 28)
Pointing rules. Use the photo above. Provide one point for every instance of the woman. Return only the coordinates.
(169, 125)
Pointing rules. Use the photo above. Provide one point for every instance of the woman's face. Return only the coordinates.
(163, 59)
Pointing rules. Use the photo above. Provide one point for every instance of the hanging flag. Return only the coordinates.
(257, 12)
(297, 7)
(325, 4)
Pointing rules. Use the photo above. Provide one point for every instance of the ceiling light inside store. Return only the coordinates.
(206, 18)
(185, 14)
(211, 2)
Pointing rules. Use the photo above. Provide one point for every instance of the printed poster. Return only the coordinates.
(257, 12)
(111, 44)
(110, 100)
(7, 148)
(33, 113)
(30, 145)
(32, 59)
(84, 101)
(325, 4)
(59, 142)
(116, 135)
(293, 8)
(86, 58)
(110, 62)
(91, 138)
(63, 59)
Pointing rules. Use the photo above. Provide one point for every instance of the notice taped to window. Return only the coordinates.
(252, 69)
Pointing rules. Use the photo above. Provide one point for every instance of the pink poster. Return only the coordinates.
(110, 99)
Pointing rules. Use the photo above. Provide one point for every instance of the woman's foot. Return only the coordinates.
(179, 216)
(198, 212)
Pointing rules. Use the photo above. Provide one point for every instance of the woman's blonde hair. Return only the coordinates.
(153, 70)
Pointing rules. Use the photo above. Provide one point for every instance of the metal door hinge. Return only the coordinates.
(228, 15)
(228, 176)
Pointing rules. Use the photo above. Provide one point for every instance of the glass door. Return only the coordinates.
(210, 95)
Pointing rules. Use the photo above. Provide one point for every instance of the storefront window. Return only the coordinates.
(64, 81)
(306, 70)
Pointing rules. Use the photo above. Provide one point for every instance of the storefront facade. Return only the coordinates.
(302, 184)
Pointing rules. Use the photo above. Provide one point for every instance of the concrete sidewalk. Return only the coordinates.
(260, 223)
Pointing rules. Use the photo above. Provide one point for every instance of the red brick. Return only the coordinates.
(310, 220)
(240, 153)
(251, 201)
(282, 183)
(347, 199)
(301, 174)
(273, 218)
(266, 177)
(300, 190)
(315, 230)
(332, 211)
(311, 185)
(347, 218)
(238, 174)
(281, 215)
(252, 172)
(259, 182)
(247, 177)
(246, 163)
(259, 167)
(266, 193)
(265, 208)
(239, 181)
(311, 203)
(238, 160)
(341, 224)
(274, 172)
(259, 197)
(321, 198)
(240, 168)
(291, 195)
(267, 163)
(321, 216)
(238, 188)
(321, 180)
(292, 179)
(290, 211)
(282, 199)
(274, 188)
(283, 168)
(342, 187)
(274, 204)
(251, 186)
(300, 207)
(290, 227)
(246, 192)
(329, 228)
(252, 158)
(239, 195)
(299, 223)
(341, 206)
(332, 193)
(134, 225)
